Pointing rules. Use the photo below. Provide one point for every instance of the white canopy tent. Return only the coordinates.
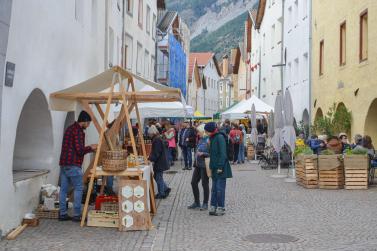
(163, 109)
(240, 110)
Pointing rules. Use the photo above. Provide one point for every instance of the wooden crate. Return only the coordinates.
(31, 222)
(250, 152)
(356, 171)
(103, 219)
(331, 172)
(307, 171)
(47, 214)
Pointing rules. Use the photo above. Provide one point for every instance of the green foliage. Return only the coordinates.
(221, 40)
(327, 152)
(303, 150)
(334, 122)
(357, 151)
(302, 128)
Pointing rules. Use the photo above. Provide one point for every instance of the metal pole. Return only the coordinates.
(310, 63)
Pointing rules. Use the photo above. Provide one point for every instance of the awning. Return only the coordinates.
(243, 108)
(96, 90)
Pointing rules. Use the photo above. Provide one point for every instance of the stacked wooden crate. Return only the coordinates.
(250, 152)
(356, 171)
(331, 172)
(307, 171)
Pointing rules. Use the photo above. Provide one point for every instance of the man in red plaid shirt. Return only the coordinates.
(71, 158)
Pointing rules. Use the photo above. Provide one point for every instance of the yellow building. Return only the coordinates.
(344, 57)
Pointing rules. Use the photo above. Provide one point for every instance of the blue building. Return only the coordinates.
(171, 55)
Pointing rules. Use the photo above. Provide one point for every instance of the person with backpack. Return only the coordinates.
(236, 139)
(219, 166)
(159, 158)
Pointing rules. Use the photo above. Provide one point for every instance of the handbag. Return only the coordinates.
(208, 170)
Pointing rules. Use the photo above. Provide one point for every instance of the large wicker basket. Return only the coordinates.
(115, 155)
(114, 165)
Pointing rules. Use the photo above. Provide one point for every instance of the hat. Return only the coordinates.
(84, 117)
(210, 127)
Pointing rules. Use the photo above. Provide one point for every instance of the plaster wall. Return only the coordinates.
(340, 83)
(212, 92)
(63, 45)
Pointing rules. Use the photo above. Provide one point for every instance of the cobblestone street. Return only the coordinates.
(256, 204)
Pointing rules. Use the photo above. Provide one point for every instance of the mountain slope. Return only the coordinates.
(221, 40)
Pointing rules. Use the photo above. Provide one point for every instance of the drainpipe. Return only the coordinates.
(310, 62)
(282, 50)
(106, 34)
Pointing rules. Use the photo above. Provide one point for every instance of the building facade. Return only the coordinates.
(68, 43)
(297, 57)
(226, 91)
(140, 21)
(171, 54)
(345, 61)
(269, 23)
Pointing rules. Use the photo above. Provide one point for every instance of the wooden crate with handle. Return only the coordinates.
(331, 171)
(307, 171)
(356, 171)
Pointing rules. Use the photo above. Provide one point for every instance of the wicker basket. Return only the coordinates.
(115, 155)
(47, 214)
(114, 165)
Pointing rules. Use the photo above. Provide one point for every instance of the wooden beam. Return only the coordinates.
(100, 111)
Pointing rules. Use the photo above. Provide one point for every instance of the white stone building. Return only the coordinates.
(140, 21)
(269, 25)
(296, 43)
(53, 45)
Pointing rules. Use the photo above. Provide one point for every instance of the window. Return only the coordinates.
(153, 60)
(227, 101)
(221, 104)
(227, 88)
(129, 52)
(342, 58)
(321, 56)
(146, 64)
(139, 59)
(154, 26)
(129, 6)
(221, 88)
(148, 21)
(140, 14)
(364, 36)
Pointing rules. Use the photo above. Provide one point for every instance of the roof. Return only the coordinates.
(202, 57)
(192, 62)
(260, 13)
(167, 20)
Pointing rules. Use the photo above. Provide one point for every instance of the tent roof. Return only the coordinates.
(96, 89)
(239, 110)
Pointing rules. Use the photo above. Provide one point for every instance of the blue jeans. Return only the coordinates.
(241, 153)
(218, 192)
(187, 155)
(70, 175)
(171, 159)
(110, 183)
(161, 185)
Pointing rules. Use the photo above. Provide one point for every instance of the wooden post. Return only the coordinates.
(102, 134)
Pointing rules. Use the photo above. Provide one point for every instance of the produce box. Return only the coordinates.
(307, 171)
(331, 171)
(356, 171)
(103, 219)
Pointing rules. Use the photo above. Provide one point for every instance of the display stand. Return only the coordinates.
(128, 98)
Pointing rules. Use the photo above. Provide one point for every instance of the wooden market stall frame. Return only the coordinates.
(129, 100)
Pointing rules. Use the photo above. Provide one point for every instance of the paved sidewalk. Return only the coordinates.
(256, 204)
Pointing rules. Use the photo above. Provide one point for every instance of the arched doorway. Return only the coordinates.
(305, 117)
(318, 114)
(343, 119)
(33, 149)
(370, 127)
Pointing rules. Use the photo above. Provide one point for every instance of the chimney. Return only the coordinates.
(225, 65)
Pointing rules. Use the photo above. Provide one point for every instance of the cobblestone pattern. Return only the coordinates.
(256, 204)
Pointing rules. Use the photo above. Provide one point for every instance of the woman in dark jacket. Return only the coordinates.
(200, 172)
(159, 158)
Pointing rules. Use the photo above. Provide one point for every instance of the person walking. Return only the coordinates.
(241, 154)
(169, 135)
(159, 158)
(236, 139)
(200, 172)
(187, 143)
(220, 168)
(183, 145)
(71, 159)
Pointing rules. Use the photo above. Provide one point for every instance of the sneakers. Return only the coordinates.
(194, 206)
(159, 196)
(204, 207)
(212, 211)
(76, 218)
(220, 211)
(64, 217)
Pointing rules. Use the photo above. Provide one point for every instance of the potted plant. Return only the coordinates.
(306, 167)
(356, 165)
